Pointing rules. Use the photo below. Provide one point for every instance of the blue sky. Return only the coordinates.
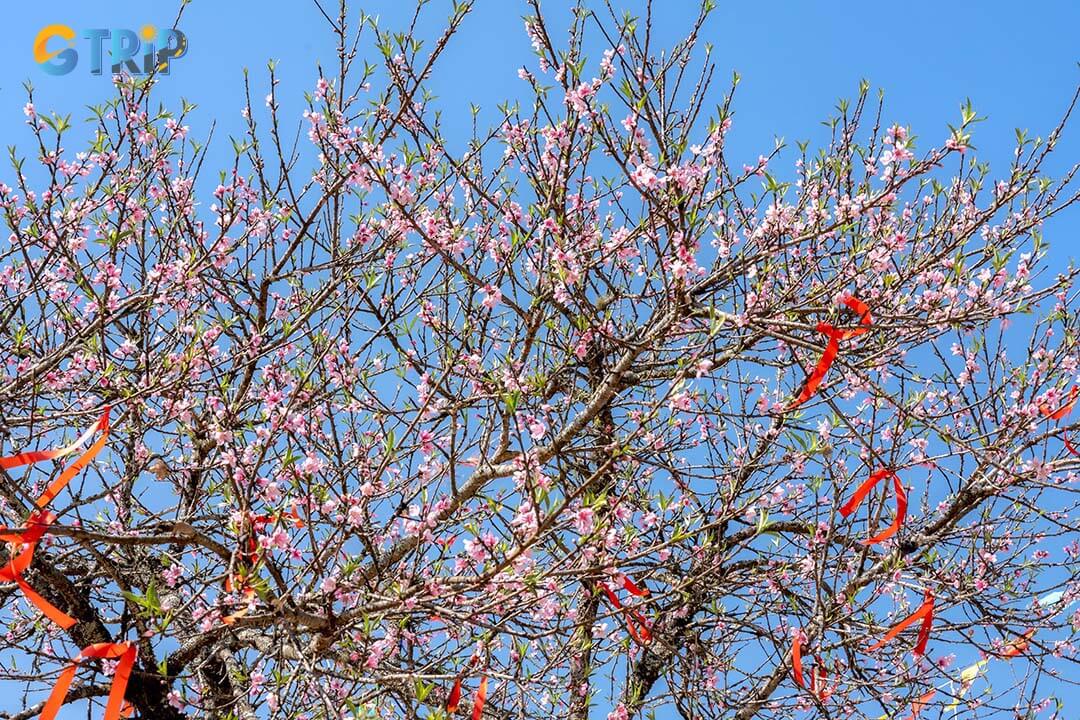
(1017, 62)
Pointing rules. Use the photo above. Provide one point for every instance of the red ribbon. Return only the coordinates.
(479, 699)
(924, 613)
(636, 623)
(818, 676)
(864, 490)
(632, 588)
(39, 521)
(832, 348)
(1064, 409)
(17, 564)
(1062, 412)
(1018, 646)
(920, 704)
(115, 706)
(454, 700)
(252, 557)
(258, 523)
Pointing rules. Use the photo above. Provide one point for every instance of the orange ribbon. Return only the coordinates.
(636, 623)
(39, 521)
(1062, 412)
(864, 490)
(818, 676)
(36, 456)
(17, 564)
(924, 613)
(116, 705)
(249, 595)
(832, 348)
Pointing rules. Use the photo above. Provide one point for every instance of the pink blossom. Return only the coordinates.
(583, 521)
(492, 296)
(619, 713)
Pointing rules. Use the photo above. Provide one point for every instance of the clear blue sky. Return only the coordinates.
(1016, 61)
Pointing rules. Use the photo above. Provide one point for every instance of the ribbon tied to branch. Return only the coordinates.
(832, 348)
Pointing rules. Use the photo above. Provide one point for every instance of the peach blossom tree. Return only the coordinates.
(576, 410)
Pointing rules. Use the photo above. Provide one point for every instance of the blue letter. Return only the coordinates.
(125, 45)
(173, 44)
(96, 37)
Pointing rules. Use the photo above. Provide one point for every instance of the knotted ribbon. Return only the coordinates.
(636, 623)
(925, 613)
(1062, 412)
(832, 348)
(253, 557)
(901, 504)
(818, 675)
(115, 706)
(39, 521)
